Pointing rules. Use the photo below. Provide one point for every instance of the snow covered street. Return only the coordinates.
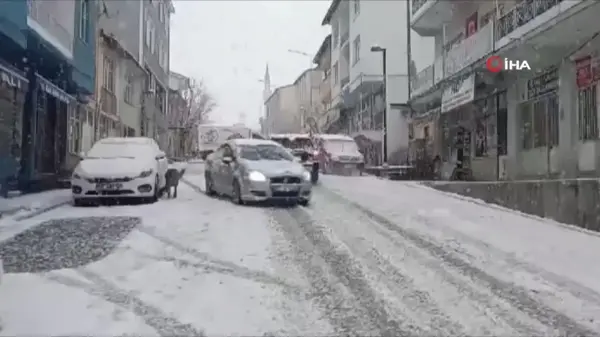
(367, 257)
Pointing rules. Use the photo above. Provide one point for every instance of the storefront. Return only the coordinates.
(538, 124)
(13, 88)
(51, 110)
(473, 128)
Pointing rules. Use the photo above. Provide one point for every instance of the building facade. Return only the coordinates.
(325, 112)
(307, 97)
(48, 72)
(182, 127)
(156, 27)
(282, 114)
(511, 124)
(357, 67)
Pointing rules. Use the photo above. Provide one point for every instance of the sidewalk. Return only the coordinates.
(34, 201)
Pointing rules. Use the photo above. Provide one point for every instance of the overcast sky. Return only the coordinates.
(228, 44)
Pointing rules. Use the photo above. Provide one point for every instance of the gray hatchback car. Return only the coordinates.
(254, 170)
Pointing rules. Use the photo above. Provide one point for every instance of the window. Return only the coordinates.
(161, 11)
(84, 18)
(356, 50)
(336, 75)
(74, 130)
(129, 89)
(165, 59)
(426, 134)
(153, 40)
(587, 113)
(161, 54)
(539, 122)
(356, 7)
(109, 74)
(148, 30)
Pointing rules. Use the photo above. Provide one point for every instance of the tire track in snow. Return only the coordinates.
(164, 325)
(352, 306)
(517, 296)
(577, 290)
(403, 270)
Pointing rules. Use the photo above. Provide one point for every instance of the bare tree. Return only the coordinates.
(199, 103)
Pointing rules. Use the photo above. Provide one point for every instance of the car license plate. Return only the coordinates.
(349, 166)
(285, 188)
(108, 187)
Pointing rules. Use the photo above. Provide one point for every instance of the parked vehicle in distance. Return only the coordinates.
(256, 170)
(302, 147)
(120, 168)
(339, 154)
(211, 136)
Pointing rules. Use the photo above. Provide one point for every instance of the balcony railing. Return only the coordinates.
(41, 12)
(416, 5)
(345, 81)
(109, 102)
(521, 14)
(470, 50)
(423, 80)
(438, 69)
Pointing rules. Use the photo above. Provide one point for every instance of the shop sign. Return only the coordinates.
(458, 93)
(54, 91)
(542, 84)
(12, 79)
(588, 71)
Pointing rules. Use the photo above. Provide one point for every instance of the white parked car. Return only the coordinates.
(120, 168)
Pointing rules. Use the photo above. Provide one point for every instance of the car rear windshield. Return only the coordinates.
(264, 152)
(341, 146)
(294, 143)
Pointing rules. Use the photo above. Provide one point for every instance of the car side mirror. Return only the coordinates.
(81, 154)
(227, 160)
(160, 156)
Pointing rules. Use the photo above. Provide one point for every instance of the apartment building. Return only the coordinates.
(307, 97)
(155, 57)
(325, 112)
(357, 67)
(282, 113)
(511, 124)
(182, 130)
(134, 62)
(47, 71)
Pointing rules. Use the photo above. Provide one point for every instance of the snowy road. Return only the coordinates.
(368, 257)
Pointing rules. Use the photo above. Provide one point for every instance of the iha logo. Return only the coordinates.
(496, 64)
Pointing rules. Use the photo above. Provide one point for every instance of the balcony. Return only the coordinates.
(108, 102)
(428, 16)
(534, 15)
(422, 81)
(44, 18)
(470, 50)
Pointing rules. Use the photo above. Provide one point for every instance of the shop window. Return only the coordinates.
(74, 130)
(539, 122)
(587, 113)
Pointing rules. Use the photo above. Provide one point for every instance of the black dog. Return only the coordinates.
(172, 181)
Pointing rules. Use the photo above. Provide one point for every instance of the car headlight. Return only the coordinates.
(256, 176)
(145, 174)
(306, 175)
(76, 176)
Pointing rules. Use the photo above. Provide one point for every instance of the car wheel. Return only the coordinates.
(156, 195)
(208, 185)
(236, 195)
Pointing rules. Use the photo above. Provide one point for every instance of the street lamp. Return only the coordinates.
(383, 51)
